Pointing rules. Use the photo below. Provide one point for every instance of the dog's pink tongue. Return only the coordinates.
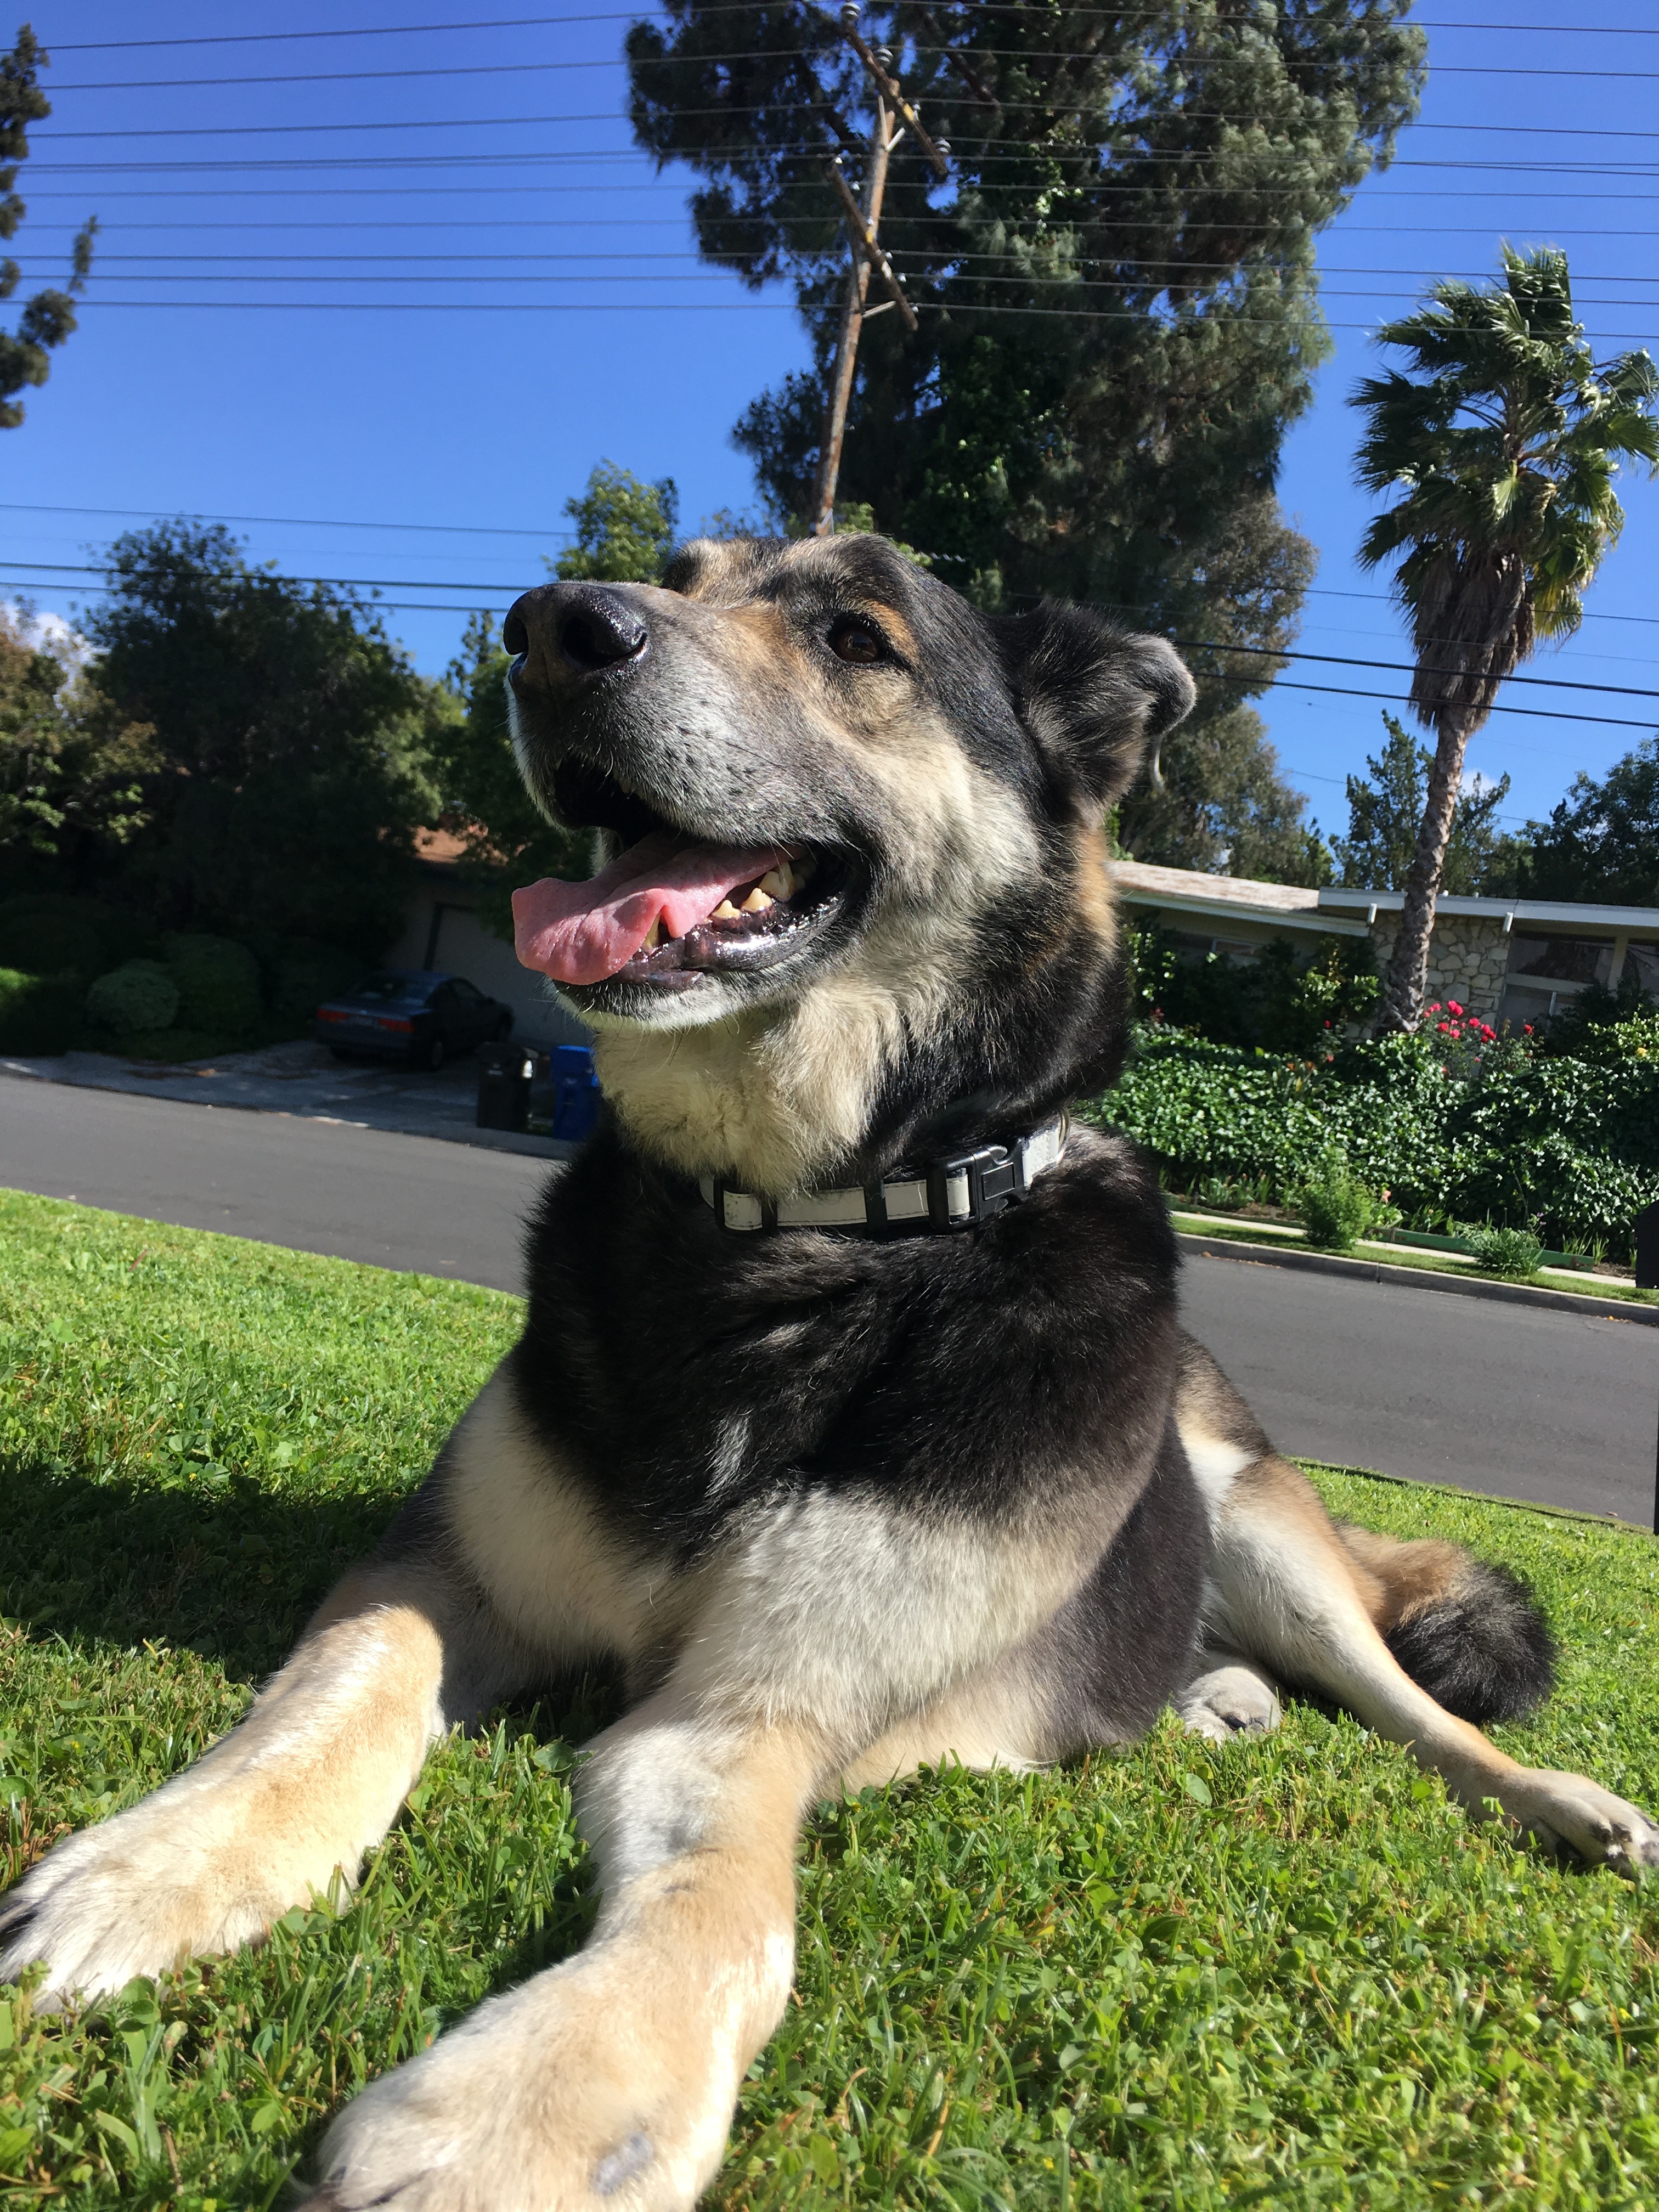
(582, 933)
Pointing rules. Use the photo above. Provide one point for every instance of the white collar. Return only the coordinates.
(955, 1193)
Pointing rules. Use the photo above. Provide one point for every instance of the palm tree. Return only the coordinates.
(1503, 443)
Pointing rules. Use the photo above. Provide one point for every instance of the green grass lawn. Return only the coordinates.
(1283, 1972)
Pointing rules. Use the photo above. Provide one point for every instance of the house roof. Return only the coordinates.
(1349, 912)
(1555, 914)
(1237, 899)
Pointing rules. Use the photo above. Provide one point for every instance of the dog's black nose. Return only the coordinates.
(598, 628)
(575, 630)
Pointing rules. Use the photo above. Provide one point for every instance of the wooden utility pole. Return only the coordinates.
(863, 221)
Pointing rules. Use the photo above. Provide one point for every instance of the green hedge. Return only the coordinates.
(1565, 1147)
(39, 1013)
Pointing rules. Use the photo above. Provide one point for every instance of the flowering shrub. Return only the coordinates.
(1494, 1133)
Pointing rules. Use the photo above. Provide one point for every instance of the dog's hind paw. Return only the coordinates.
(1570, 1812)
(1229, 1702)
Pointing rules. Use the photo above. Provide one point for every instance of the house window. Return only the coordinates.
(1576, 960)
(1642, 962)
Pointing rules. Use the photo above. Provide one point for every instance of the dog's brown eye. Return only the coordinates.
(857, 642)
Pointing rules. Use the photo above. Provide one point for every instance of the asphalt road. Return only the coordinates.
(416, 1203)
(1555, 1408)
(1560, 1408)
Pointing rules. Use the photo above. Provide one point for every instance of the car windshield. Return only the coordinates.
(392, 985)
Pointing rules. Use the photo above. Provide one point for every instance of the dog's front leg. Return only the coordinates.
(612, 2078)
(278, 1808)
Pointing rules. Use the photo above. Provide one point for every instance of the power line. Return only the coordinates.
(298, 522)
(699, 271)
(1129, 121)
(695, 307)
(753, 54)
(1403, 667)
(714, 278)
(489, 529)
(679, 222)
(324, 522)
(631, 14)
(1103, 187)
(1186, 644)
(1531, 713)
(542, 188)
(947, 256)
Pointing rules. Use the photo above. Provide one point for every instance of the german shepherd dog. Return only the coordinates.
(852, 1416)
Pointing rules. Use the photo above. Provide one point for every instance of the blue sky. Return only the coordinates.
(429, 399)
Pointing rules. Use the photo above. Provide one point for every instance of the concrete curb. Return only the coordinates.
(1419, 1278)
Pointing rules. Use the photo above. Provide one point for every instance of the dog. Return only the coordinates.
(852, 1416)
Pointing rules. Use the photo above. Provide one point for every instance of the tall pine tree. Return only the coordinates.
(1119, 310)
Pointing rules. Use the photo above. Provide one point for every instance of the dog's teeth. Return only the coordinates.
(756, 901)
(653, 935)
(803, 869)
(775, 882)
(724, 912)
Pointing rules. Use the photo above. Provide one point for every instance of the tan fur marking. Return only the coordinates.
(531, 1537)
(998, 1717)
(1406, 1577)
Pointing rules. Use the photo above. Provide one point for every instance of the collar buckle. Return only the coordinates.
(972, 1188)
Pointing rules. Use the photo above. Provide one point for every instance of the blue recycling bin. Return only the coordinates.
(576, 1091)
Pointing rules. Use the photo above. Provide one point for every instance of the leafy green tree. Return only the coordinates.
(1385, 811)
(289, 733)
(1117, 296)
(71, 771)
(1602, 843)
(1502, 447)
(624, 528)
(49, 316)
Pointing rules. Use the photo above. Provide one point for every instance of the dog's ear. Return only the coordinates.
(1094, 697)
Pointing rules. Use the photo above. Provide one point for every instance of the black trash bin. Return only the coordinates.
(505, 1078)
(1646, 1226)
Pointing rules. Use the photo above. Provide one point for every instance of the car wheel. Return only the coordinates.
(435, 1056)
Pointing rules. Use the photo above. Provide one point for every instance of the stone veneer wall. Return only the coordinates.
(1468, 959)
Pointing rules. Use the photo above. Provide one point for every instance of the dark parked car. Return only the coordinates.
(413, 1014)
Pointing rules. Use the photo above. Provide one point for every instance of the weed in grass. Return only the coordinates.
(1178, 1976)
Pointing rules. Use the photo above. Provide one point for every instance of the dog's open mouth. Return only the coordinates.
(672, 908)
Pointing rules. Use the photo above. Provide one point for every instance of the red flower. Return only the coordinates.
(1441, 1025)
(1452, 1006)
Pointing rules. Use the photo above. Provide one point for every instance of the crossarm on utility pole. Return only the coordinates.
(887, 89)
(865, 239)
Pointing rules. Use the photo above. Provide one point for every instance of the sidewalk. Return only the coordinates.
(305, 1081)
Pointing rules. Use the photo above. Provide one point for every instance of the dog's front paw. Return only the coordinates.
(135, 1895)
(549, 2099)
(1229, 1702)
(1570, 1811)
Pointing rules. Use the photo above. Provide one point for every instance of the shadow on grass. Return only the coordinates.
(231, 1571)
